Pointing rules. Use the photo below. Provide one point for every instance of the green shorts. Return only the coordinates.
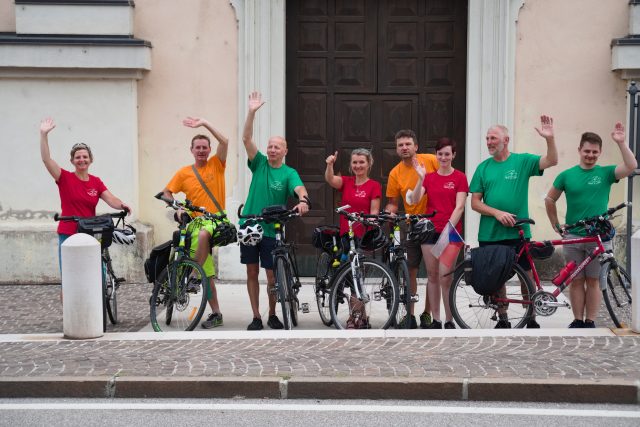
(194, 228)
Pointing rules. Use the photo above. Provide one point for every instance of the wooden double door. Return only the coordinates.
(357, 72)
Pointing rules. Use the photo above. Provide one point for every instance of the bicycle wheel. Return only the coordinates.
(111, 295)
(104, 298)
(473, 311)
(321, 287)
(403, 314)
(181, 289)
(282, 286)
(377, 303)
(616, 292)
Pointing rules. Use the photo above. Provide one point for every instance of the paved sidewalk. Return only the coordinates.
(551, 364)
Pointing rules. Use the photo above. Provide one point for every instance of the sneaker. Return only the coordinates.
(435, 324)
(449, 325)
(577, 323)
(425, 320)
(532, 324)
(193, 285)
(255, 325)
(213, 321)
(403, 324)
(503, 324)
(589, 324)
(274, 322)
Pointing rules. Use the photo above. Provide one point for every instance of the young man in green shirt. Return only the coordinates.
(272, 182)
(500, 192)
(587, 186)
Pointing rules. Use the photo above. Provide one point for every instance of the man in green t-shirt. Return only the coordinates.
(587, 186)
(272, 182)
(500, 193)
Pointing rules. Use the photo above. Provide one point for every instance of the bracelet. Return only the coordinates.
(305, 201)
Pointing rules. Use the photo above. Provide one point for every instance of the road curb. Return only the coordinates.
(474, 389)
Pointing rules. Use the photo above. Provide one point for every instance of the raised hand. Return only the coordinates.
(255, 101)
(193, 122)
(618, 134)
(47, 125)
(546, 127)
(419, 168)
(331, 159)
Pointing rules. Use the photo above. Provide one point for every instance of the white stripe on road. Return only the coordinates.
(315, 407)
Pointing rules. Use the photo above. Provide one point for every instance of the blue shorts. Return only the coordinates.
(261, 252)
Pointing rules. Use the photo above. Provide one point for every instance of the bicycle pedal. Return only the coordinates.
(304, 307)
(415, 298)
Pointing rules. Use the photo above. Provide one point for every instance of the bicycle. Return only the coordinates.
(471, 310)
(182, 287)
(101, 227)
(364, 292)
(327, 239)
(287, 284)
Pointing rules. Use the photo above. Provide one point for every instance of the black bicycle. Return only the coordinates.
(327, 239)
(101, 227)
(285, 265)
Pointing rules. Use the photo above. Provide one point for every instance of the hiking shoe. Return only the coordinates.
(193, 285)
(436, 324)
(255, 325)
(589, 324)
(532, 324)
(503, 324)
(213, 321)
(577, 323)
(449, 325)
(274, 322)
(403, 323)
(425, 320)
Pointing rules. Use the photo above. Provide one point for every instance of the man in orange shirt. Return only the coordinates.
(211, 170)
(402, 178)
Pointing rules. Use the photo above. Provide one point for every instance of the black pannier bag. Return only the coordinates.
(491, 267)
(100, 227)
(157, 261)
(323, 237)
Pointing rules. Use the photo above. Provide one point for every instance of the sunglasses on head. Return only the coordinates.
(79, 145)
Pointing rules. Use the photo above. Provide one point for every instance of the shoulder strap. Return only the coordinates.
(205, 188)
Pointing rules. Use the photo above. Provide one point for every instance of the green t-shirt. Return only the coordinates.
(505, 186)
(587, 191)
(269, 186)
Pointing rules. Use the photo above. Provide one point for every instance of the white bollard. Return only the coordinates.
(81, 287)
(635, 283)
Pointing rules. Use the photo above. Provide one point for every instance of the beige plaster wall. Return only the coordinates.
(7, 16)
(563, 61)
(194, 73)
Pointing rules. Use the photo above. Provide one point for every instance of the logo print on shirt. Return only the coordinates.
(276, 186)
(360, 193)
(449, 185)
(92, 192)
(595, 180)
(511, 175)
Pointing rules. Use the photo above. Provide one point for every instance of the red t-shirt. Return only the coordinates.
(359, 197)
(442, 192)
(77, 198)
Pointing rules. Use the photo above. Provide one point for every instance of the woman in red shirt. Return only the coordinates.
(447, 190)
(79, 191)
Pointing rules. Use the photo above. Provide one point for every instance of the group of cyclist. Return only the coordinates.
(423, 182)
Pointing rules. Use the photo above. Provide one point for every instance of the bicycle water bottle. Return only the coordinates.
(564, 273)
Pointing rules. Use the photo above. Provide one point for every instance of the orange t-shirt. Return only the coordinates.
(403, 178)
(185, 181)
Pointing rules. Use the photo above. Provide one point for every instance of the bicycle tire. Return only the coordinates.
(379, 290)
(321, 287)
(616, 292)
(473, 311)
(111, 295)
(104, 293)
(181, 289)
(282, 286)
(403, 314)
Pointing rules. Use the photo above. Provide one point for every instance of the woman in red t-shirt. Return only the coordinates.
(361, 193)
(79, 191)
(447, 190)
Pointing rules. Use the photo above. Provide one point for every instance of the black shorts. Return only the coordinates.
(261, 252)
(516, 244)
(432, 239)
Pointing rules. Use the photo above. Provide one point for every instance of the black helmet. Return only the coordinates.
(374, 239)
(606, 230)
(420, 231)
(542, 250)
(224, 234)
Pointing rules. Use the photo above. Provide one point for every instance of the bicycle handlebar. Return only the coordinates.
(281, 216)
(120, 215)
(188, 206)
(597, 218)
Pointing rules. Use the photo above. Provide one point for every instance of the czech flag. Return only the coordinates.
(448, 245)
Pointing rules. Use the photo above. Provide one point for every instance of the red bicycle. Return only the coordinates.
(522, 297)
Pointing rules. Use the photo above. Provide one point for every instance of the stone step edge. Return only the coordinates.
(474, 389)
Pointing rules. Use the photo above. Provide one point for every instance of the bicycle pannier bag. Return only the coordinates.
(157, 261)
(323, 237)
(100, 227)
(491, 267)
